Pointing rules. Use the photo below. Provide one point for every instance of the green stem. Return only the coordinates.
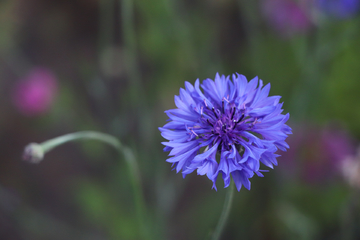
(129, 41)
(129, 158)
(106, 24)
(52, 143)
(225, 212)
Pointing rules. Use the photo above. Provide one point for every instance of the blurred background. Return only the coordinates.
(115, 66)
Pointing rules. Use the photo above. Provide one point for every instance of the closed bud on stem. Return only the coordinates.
(33, 153)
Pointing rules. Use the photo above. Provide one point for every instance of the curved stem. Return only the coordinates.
(129, 158)
(52, 143)
(225, 213)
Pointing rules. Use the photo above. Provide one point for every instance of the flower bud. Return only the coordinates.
(33, 153)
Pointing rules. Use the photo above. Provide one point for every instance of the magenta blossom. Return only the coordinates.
(317, 155)
(35, 94)
(287, 17)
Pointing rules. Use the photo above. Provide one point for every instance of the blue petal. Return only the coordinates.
(240, 83)
(189, 87)
(245, 181)
(180, 148)
(201, 95)
(259, 112)
(237, 179)
(209, 168)
(178, 136)
(206, 154)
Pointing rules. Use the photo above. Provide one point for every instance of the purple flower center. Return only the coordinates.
(225, 124)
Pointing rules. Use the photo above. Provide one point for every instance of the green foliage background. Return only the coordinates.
(119, 65)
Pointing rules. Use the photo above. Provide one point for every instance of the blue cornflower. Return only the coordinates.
(339, 8)
(229, 128)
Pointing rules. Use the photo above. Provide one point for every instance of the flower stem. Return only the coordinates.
(55, 142)
(106, 24)
(129, 158)
(130, 48)
(225, 213)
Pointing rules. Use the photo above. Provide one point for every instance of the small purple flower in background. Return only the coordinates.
(317, 154)
(229, 128)
(287, 17)
(35, 94)
(339, 8)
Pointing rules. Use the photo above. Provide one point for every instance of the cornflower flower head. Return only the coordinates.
(229, 128)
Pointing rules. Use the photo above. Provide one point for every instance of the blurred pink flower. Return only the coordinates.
(317, 154)
(34, 95)
(287, 17)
